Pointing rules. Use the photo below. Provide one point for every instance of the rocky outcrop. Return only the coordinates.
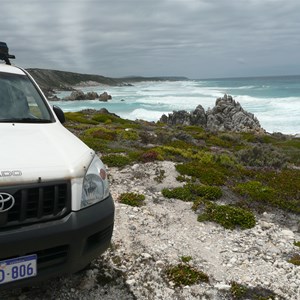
(182, 117)
(80, 95)
(227, 115)
(104, 97)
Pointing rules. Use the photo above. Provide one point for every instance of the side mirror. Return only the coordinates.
(60, 114)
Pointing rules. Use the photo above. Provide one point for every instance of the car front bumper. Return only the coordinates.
(62, 246)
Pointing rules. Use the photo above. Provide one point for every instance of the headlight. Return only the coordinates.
(95, 186)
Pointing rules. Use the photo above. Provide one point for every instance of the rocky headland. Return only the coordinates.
(53, 80)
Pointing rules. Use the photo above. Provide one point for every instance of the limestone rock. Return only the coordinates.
(226, 115)
(91, 96)
(80, 95)
(104, 97)
(76, 95)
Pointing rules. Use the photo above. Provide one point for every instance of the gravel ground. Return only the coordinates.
(150, 238)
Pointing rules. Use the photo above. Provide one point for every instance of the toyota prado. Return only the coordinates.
(56, 211)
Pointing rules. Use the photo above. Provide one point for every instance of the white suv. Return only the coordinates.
(56, 211)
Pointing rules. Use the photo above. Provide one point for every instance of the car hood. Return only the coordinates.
(40, 152)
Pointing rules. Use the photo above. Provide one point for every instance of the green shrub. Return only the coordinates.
(262, 155)
(248, 136)
(182, 178)
(183, 275)
(226, 160)
(181, 193)
(116, 160)
(286, 186)
(132, 199)
(295, 259)
(101, 133)
(178, 144)
(129, 135)
(228, 216)
(243, 292)
(190, 192)
(110, 118)
(255, 190)
(193, 129)
(186, 259)
(214, 140)
(95, 144)
(207, 173)
(79, 117)
(206, 191)
(297, 244)
(238, 290)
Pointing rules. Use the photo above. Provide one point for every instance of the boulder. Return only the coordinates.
(76, 95)
(104, 97)
(91, 96)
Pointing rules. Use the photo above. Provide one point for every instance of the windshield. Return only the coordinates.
(20, 101)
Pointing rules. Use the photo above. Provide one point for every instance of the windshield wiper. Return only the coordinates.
(25, 120)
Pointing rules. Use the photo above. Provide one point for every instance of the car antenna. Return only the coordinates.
(4, 53)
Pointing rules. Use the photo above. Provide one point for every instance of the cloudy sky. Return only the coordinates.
(193, 38)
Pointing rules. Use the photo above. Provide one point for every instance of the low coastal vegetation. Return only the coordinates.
(229, 178)
(190, 192)
(295, 259)
(243, 292)
(184, 274)
(229, 216)
(261, 170)
(132, 199)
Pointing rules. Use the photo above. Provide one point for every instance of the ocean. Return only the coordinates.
(275, 101)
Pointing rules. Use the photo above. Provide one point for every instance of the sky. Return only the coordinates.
(192, 38)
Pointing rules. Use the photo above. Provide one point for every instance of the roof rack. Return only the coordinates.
(4, 53)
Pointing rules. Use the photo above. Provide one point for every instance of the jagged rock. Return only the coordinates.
(198, 116)
(227, 115)
(182, 117)
(104, 97)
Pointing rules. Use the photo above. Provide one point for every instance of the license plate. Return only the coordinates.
(18, 268)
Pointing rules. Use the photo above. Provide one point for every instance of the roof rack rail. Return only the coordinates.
(4, 53)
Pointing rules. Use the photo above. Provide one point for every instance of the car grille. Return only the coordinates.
(36, 203)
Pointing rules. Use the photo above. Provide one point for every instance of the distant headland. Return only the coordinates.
(51, 80)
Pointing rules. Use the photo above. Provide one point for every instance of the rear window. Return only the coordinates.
(20, 101)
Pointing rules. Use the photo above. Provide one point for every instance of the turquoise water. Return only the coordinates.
(275, 101)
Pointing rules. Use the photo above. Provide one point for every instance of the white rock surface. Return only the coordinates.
(148, 239)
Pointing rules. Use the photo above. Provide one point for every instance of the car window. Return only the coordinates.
(20, 100)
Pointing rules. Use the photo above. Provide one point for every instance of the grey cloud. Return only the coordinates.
(195, 38)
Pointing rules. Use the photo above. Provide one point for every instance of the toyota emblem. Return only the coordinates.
(7, 201)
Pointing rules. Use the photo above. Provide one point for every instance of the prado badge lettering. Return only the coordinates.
(10, 173)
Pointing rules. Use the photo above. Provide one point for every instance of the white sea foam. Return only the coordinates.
(144, 114)
(149, 100)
